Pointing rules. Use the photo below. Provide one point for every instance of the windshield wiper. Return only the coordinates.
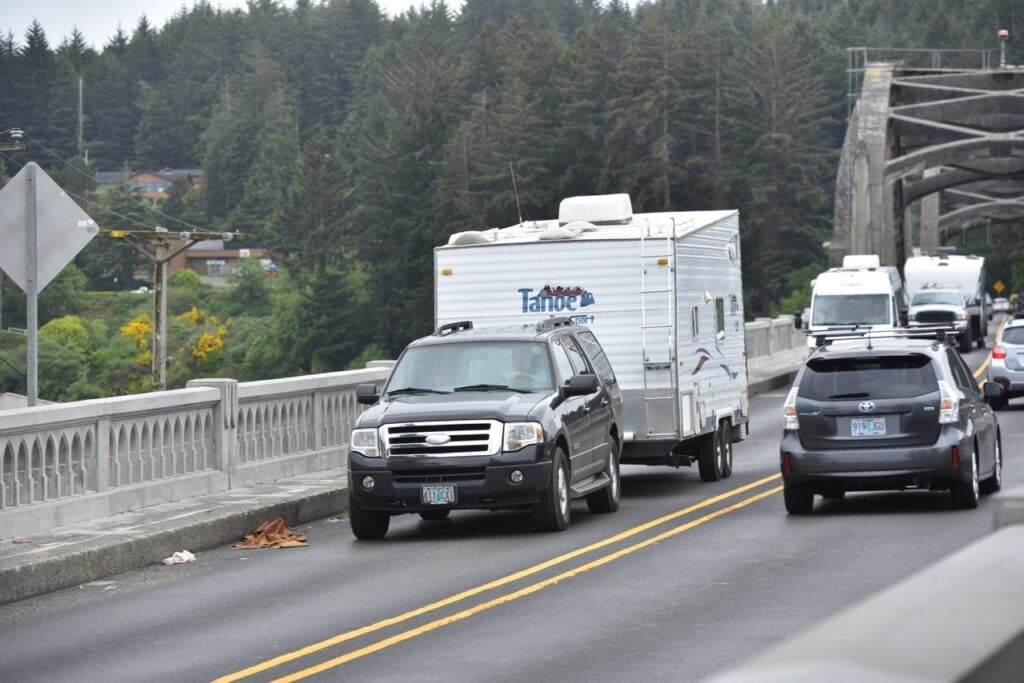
(415, 390)
(489, 387)
(855, 394)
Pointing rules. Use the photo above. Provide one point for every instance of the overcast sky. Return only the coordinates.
(98, 19)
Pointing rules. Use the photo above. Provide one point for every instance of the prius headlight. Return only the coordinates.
(364, 442)
(520, 434)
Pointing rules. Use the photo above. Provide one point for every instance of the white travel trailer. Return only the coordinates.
(953, 271)
(663, 294)
(862, 293)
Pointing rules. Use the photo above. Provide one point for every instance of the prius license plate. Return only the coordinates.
(438, 495)
(868, 426)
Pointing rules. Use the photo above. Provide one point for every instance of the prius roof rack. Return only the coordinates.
(939, 333)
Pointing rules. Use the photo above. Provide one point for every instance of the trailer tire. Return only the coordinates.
(726, 439)
(709, 456)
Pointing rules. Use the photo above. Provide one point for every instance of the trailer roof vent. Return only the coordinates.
(580, 226)
(469, 237)
(554, 233)
(602, 209)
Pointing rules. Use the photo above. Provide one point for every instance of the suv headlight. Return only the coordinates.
(520, 434)
(364, 442)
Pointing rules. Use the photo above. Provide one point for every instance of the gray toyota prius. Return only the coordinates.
(889, 414)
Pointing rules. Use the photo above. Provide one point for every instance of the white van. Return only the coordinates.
(862, 294)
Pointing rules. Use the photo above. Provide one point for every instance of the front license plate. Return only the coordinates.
(438, 495)
(870, 426)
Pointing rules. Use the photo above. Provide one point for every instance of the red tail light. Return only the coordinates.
(787, 463)
(999, 352)
(955, 452)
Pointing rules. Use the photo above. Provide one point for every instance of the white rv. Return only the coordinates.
(862, 294)
(663, 294)
(953, 271)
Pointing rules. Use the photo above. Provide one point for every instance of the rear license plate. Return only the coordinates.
(438, 495)
(870, 426)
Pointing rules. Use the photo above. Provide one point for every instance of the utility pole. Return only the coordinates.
(155, 246)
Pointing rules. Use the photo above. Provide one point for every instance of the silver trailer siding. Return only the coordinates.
(663, 294)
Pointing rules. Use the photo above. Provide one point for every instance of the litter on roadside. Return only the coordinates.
(180, 557)
(272, 535)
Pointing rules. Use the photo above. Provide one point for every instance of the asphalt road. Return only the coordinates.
(685, 580)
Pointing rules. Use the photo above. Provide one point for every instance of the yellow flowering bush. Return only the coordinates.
(209, 344)
(140, 329)
(195, 318)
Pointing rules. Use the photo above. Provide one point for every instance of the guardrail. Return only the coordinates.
(67, 463)
(960, 620)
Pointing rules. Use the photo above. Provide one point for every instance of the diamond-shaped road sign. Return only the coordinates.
(62, 228)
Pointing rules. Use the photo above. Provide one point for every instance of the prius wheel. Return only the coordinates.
(554, 510)
(965, 493)
(799, 499)
(607, 499)
(995, 482)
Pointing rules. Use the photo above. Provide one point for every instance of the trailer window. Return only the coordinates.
(695, 321)
(720, 318)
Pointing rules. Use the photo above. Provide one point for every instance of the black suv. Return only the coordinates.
(524, 417)
(895, 412)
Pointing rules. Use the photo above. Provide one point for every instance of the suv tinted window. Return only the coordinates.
(563, 362)
(597, 355)
(868, 377)
(1013, 335)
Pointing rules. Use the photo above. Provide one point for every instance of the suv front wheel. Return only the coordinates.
(554, 510)
(367, 524)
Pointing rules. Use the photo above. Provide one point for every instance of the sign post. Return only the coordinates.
(41, 229)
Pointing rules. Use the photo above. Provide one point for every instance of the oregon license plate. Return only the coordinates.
(869, 426)
(444, 494)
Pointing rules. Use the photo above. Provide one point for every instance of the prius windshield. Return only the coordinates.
(851, 309)
(473, 366)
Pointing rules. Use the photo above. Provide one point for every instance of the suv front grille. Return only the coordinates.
(442, 439)
(438, 476)
(935, 317)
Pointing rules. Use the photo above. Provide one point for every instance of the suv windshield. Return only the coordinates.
(868, 377)
(464, 366)
(947, 298)
(851, 309)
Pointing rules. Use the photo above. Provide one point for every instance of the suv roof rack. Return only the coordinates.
(551, 323)
(452, 328)
(940, 333)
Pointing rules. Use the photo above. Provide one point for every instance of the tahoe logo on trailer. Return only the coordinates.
(553, 299)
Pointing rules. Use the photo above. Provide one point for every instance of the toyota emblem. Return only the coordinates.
(438, 439)
(866, 406)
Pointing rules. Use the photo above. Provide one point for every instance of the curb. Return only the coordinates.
(110, 556)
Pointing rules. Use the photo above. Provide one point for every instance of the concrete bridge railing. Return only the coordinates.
(67, 463)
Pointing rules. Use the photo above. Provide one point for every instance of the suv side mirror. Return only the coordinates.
(367, 394)
(993, 390)
(904, 321)
(580, 385)
(798, 320)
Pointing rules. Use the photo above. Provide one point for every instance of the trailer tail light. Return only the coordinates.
(955, 454)
(787, 462)
(999, 352)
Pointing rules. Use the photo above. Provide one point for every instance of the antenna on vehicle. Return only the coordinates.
(519, 210)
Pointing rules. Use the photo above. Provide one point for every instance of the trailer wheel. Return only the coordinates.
(710, 456)
(726, 440)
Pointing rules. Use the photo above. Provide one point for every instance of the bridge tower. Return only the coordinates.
(950, 140)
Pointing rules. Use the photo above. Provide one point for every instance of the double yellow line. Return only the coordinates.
(503, 581)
